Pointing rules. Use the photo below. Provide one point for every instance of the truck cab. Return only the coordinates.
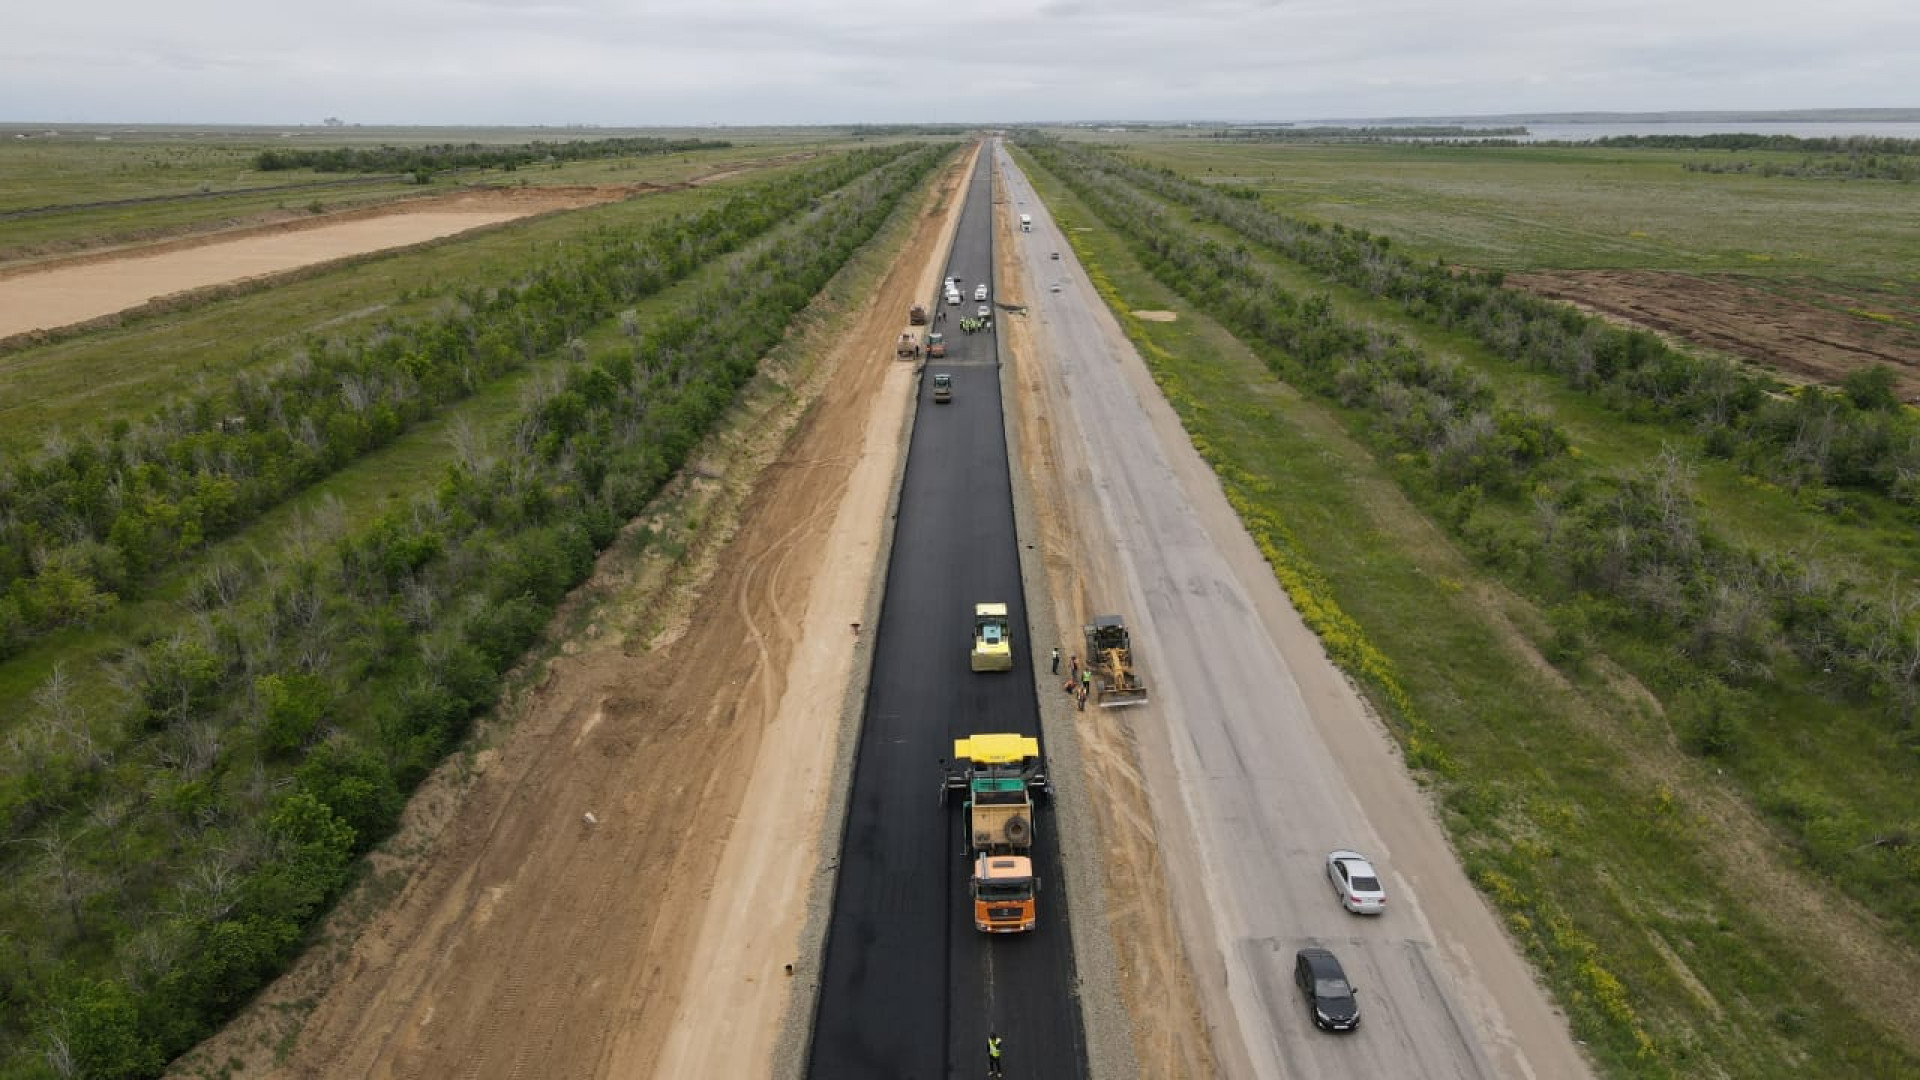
(1005, 894)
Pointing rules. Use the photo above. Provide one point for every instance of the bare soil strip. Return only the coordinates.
(1813, 334)
(74, 294)
(37, 295)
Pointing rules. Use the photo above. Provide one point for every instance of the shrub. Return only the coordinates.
(1710, 719)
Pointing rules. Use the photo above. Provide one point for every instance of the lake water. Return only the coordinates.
(1801, 129)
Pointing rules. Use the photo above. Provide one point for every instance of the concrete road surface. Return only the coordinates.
(1256, 785)
(909, 989)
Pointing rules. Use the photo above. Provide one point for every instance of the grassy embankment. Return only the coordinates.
(1603, 844)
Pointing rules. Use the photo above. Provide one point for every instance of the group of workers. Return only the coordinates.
(1079, 681)
(974, 325)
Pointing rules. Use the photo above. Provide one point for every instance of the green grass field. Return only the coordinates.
(193, 180)
(1531, 208)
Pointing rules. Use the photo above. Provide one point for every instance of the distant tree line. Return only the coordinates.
(271, 737)
(896, 131)
(1845, 144)
(441, 157)
(1900, 168)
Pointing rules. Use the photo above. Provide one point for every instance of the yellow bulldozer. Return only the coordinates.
(1110, 658)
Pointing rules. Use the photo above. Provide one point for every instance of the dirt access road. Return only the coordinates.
(1257, 754)
(617, 886)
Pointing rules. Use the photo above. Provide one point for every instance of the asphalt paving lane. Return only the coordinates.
(909, 990)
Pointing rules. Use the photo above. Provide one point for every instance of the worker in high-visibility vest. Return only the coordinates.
(993, 1054)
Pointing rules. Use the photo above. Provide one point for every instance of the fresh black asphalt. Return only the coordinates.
(909, 989)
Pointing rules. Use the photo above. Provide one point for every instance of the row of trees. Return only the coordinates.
(1900, 168)
(1623, 552)
(277, 727)
(94, 516)
(1848, 145)
(440, 157)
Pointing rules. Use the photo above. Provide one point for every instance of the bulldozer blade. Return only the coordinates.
(1114, 699)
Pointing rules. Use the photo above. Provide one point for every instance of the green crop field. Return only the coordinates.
(1684, 838)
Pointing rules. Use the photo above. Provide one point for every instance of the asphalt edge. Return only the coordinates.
(1104, 1021)
(795, 1042)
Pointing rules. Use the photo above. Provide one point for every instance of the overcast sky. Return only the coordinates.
(660, 62)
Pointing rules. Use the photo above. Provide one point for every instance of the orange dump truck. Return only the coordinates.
(1001, 775)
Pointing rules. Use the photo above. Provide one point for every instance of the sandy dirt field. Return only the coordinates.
(1807, 332)
(75, 294)
(78, 290)
(615, 889)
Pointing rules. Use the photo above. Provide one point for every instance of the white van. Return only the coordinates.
(981, 292)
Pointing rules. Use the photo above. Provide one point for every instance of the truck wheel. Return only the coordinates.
(1019, 831)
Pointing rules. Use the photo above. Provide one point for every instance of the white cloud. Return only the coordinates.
(639, 62)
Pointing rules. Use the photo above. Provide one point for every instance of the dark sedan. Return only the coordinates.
(1330, 998)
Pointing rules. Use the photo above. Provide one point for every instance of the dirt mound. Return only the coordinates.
(1808, 332)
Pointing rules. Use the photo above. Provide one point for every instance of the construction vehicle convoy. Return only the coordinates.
(1001, 775)
(1110, 658)
(992, 647)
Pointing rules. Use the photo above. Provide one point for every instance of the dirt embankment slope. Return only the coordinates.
(613, 887)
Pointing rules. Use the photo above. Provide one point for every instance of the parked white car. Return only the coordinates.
(1353, 877)
(981, 292)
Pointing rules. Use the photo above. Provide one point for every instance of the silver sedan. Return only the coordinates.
(1354, 879)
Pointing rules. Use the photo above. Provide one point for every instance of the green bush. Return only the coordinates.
(1710, 719)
